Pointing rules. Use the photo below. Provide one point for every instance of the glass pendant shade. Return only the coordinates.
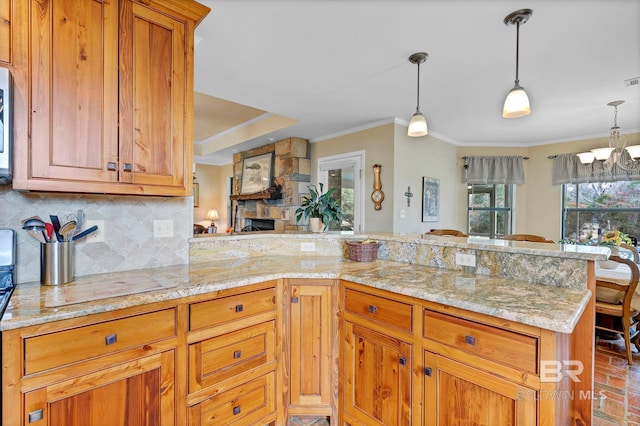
(417, 125)
(516, 104)
(602, 154)
(586, 157)
(634, 151)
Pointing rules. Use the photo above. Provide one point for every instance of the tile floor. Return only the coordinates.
(618, 382)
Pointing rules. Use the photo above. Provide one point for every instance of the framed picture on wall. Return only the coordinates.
(430, 199)
(256, 173)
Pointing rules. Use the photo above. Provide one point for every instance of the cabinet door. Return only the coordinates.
(377, 384)
(311, 373)
(139, 392)
(74, 90)
(458, 394)
(153, 78)
(5, 31)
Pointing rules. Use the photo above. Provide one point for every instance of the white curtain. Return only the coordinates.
(567, 168)
(494, 170)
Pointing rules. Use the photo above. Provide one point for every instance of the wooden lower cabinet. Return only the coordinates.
(311, 348)
(139, 392)
(457, 394)
(377, 377)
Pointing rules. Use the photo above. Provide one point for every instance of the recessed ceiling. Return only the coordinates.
(322, 67)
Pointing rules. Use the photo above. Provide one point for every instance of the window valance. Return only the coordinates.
(567, 168)
(494, 170)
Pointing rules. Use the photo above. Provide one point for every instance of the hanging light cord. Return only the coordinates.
(418, 95)
(517, 50)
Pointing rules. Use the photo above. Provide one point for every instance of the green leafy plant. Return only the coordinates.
(321, 205)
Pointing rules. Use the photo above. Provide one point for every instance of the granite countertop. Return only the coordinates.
(548, 307)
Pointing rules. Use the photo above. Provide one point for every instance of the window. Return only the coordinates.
(489, 210)
(344, 173)
(592, 208)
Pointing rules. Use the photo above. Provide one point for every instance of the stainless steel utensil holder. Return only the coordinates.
(56, 263)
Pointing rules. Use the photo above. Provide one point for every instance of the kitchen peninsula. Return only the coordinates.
(267, 330)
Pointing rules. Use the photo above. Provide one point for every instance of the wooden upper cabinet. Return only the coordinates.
(5, 32)
(111, 96)
(152, 97)
(74, 90)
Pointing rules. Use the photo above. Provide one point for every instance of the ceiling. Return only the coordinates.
(267, 70)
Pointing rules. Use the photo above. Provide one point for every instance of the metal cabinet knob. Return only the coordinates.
(373, 309)
(470, 340)
(236, 410)
(111, 339)
(127, 167)
(36, 415)
(237, 354)
(239, 308)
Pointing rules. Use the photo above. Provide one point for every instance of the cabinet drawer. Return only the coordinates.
(218, 311)
(246, 404)
(225, 356)
(505, 347)
(65, 347)
(386, 311)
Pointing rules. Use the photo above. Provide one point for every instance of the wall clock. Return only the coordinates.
(377, 196)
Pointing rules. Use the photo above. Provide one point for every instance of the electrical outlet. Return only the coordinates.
(97, 236)
(163, 228)
(463, 259)
(308, 246)
(403, 214)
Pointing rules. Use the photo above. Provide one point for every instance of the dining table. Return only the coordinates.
(621, 275)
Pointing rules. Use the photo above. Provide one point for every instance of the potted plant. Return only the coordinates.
(320, 208)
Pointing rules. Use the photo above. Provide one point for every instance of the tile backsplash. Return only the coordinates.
(129, 239)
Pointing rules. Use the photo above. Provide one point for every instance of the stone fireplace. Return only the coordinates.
(291, 173)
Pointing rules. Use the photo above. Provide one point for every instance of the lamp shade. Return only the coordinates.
(213, 215)
(516, 104)
(417, 125)
(602, 154)
(634, 151)
(586, 157)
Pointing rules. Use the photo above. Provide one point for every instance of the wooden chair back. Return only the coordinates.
(632, 249)
(527, 237)
(451, 232)
(623, 309)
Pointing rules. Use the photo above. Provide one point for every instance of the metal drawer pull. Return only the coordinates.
(373, 309)
(239, 308)
(111, 166)
(127, 167)
(427, 371)
(470, 340)
(34, 416)
(294, 299)
(402, 360)
(111, 339)
(236, 410)
(237, 354)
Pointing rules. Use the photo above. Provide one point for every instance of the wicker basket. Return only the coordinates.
(363, 252)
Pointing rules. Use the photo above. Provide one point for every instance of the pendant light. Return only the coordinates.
(418, 124)
(517, 102)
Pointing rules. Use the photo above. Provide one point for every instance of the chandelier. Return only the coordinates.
(616, 153)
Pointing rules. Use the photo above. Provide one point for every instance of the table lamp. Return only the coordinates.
(212, 215)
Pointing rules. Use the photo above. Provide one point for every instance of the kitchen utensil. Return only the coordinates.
(49, 230)
(67, 230)
(35, 227)
(56, 227)
(84, 233)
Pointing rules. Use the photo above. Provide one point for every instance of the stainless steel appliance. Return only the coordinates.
(5, 127)
(7, 266)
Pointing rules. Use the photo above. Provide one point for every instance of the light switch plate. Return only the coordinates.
(163, 228)
(308, 246)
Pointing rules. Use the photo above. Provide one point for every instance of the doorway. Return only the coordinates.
(344, 173)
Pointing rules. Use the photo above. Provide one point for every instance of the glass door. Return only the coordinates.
(344, 173)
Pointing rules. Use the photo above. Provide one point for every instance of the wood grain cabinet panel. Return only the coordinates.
(78, 344)
(505, 347)
(139, 392)
(6, 36)
(222, 357)
(457, 394)
(380, 309)
(215, 312)
(377, 378)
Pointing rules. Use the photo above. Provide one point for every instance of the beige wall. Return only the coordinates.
(378, 146)
(213, 182)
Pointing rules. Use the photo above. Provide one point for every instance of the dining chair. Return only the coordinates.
(621, 308)
(633, 250)
(527, 237)
(450, 232)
